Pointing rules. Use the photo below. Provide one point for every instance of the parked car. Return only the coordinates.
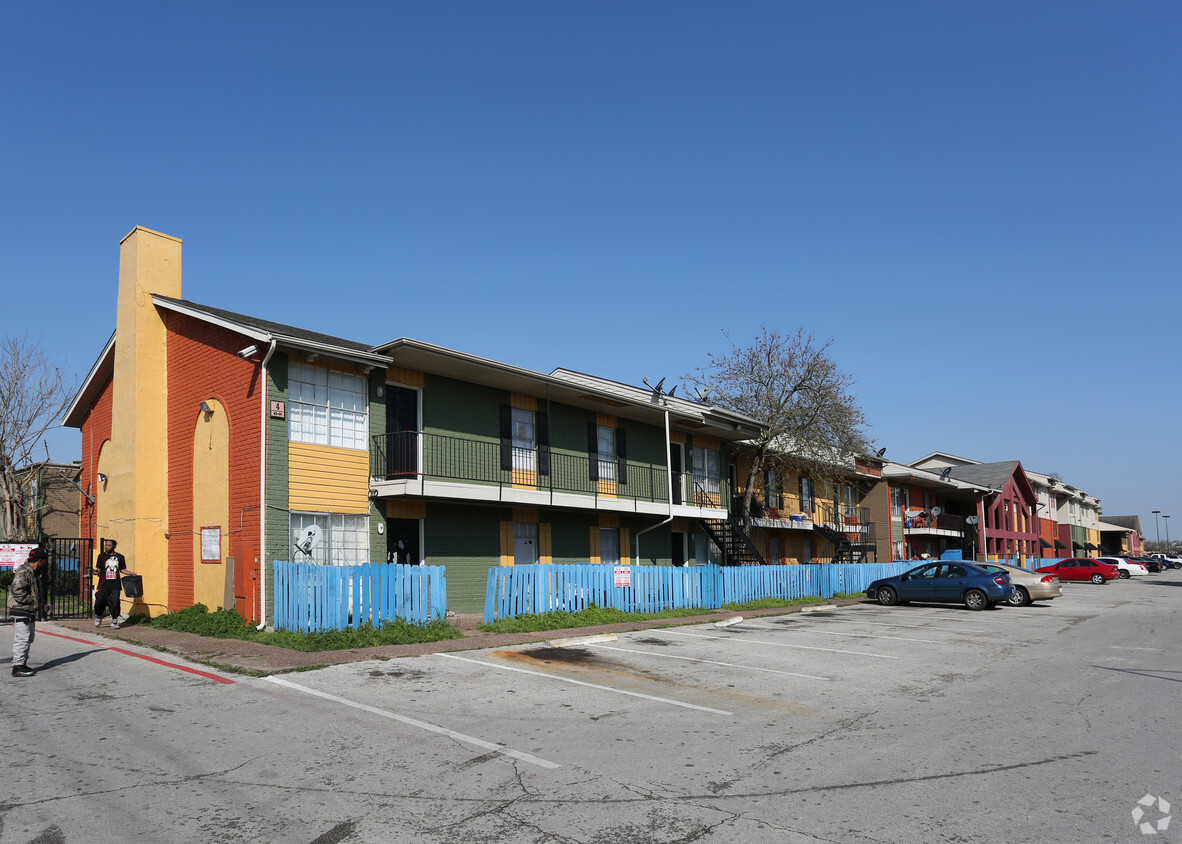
(1153, 564)
(950, 582)
(1083, 568)
(1029, 586)
(1127, 567)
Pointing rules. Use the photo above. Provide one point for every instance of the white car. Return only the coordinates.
(1127, 567)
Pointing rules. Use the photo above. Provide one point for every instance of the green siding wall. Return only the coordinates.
(468, 541)
(277, 522)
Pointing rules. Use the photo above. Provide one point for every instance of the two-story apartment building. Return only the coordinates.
(803, 512)
(932, 512)
(1007, 525)
(214, 443)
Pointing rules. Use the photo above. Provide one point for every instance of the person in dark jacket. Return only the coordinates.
(26, 604)
(109, 567)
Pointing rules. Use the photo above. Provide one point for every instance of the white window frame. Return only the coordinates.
(327, 406)
(708, 469)
(344, 538)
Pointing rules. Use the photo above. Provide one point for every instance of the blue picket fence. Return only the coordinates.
(311, 597)
(533, 589)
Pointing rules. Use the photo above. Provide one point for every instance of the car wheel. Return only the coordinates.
(975, 599)
(1020, 598)
(887, 596)
(1124, 573)
(1097, 578)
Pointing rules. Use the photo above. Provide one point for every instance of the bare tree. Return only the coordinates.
(789, 383)
(34, 393)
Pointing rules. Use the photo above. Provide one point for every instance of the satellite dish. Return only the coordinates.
(936, 511)
(309, 539)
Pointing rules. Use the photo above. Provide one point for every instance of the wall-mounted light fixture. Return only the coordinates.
(102, 479)
(205, 408)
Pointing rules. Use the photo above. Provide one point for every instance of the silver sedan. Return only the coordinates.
(1029, 586)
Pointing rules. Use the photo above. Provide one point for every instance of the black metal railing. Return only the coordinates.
(926, 521)
(414, 455)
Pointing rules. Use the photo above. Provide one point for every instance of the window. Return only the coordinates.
(609, 546)
(605, 441)
(708, 471)
(806, 495)
(849, 500)
(344, 539)
(896, 501)
(898, 551)
(773, 490)
(705, 551)
(327, 407)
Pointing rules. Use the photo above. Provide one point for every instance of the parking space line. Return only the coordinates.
(711, 662)
(822, 632)
(910, 613)
(422, 725)
(773, 644)
(588, 685)
(896, 624)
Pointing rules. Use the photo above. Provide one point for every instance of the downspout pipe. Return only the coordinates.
(669, 478)
(263, 488)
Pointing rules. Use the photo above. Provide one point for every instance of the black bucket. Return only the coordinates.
(133, 586)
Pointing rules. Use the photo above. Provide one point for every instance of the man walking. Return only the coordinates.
(25, 604)
(109, 567)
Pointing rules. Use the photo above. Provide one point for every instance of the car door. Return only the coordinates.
(917, 585)
(950, 582)
(1070, 570)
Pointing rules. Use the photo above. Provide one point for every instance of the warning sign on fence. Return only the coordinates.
(15, 554)
(623, 576)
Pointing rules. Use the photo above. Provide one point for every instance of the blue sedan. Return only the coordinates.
(956, 582)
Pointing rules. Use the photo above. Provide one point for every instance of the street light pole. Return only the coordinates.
(1157, 525)
(1167, 532)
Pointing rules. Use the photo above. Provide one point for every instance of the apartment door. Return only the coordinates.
(402, 542)
(402, 432)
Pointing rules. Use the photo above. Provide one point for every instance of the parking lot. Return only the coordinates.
(860, 723)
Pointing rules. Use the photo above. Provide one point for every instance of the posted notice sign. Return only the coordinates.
(14, 554)
(623, 576)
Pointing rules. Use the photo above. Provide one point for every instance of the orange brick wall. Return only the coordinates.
(203, 364)
(96, 430)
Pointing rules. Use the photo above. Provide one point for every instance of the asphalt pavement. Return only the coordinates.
(258, 659)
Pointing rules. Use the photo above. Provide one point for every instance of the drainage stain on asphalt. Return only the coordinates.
(577, 658)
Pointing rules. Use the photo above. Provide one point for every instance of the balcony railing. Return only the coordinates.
(418, 456)
(795, 509)
(942, 522)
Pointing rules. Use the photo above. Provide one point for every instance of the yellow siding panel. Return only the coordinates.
(506, 543)
(326, 479)
(523, 402)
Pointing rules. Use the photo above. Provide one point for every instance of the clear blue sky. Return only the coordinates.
(979, 202)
